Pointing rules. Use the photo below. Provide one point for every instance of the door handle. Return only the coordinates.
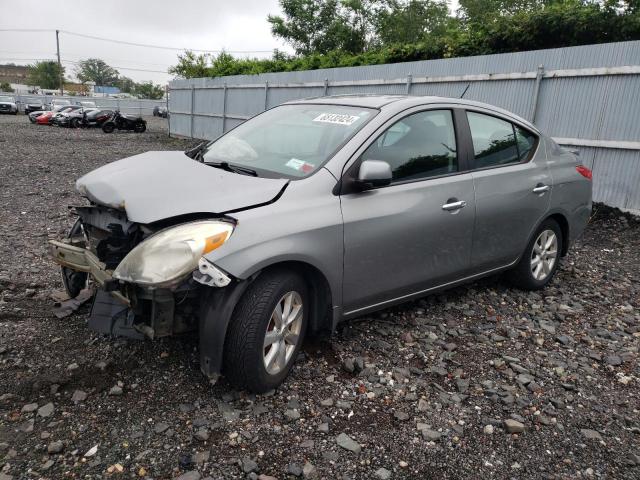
(449, 207)
(541, 188)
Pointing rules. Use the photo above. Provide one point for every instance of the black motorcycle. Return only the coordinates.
(124, 122)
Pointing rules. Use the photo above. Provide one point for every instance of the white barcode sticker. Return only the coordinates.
(336, 118)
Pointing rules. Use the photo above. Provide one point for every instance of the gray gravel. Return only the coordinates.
(430, 389)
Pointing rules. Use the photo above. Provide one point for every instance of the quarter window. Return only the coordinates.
(494, 142)
(418, 146)
(526, 141)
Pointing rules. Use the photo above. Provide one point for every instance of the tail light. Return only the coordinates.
(584, 171)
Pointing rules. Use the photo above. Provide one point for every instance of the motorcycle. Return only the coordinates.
(124, 122)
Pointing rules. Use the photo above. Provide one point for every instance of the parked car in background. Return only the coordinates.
(8, 105)
(33, 105)
(87, 103)
(73, 118)
(47, 118)
(121, 121)
(316, 211)
(95, 118)
(159, 111)
(58, 102)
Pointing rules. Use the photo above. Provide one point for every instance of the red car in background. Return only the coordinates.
(44, 118)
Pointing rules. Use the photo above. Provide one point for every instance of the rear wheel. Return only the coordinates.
(74, 123)
(266, 331)
(139, 127)
(108, 127)
(540, 261)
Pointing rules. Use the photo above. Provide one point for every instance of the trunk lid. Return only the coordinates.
(155, 186)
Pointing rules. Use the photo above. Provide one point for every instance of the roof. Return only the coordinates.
(355, 100)
(405, 101)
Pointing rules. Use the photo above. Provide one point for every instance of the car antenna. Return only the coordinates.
(465, 90)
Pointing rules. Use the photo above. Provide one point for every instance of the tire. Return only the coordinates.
(140, 127)
(73, 280)
(108, 127)
(530, 274)
(245, 358)
(74, 123)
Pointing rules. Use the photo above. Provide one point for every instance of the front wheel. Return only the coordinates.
(266, 331)
(73, 280)
(74, 123)
(108, 127)
(540, 261)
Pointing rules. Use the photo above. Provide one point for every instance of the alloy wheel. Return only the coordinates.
(544, 254)
(283, 332)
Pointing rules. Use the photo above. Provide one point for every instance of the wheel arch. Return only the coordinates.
(319, 291)
(219, 304)
(563, 223)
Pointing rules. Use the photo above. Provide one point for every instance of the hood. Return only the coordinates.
(154, 186)
(13, 104)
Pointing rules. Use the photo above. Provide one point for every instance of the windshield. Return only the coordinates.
(4, 98)
(291, 140)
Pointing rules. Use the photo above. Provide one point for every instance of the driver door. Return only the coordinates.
(405, 238)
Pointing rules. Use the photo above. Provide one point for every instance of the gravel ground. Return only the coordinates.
(483, 380)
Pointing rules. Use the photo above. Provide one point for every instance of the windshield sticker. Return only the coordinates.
(336, 118)
(300, 165)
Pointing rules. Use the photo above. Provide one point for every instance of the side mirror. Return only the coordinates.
(374, 173)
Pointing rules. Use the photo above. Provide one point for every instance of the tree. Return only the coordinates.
(6, 87)
(412, 21)
(97, 71)
(45, 74)
(125, 84)
(149, 90)
(321, 26)
(191, 65)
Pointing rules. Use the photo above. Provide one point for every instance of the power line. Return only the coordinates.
(78, 63)
(133, 44)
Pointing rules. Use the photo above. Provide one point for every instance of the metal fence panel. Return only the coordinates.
(587, 97)
(125, 105)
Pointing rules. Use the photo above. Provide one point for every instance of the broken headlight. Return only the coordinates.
(169, 255)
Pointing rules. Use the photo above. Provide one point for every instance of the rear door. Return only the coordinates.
(512, 188)
(417, 232)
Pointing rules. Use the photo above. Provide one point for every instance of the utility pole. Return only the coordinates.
(59, 63)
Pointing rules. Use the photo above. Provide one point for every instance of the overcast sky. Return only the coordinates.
(235, 25)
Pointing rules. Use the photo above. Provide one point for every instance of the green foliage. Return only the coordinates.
(45, 74)
(6, 87)
(148, 90)
(97, 71)
(407, 30)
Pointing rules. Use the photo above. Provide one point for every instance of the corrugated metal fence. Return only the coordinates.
(587, 97)
(125, 105)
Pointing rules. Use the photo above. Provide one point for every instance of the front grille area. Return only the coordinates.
(109, 233)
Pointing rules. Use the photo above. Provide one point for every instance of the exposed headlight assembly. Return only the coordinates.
(166, 257)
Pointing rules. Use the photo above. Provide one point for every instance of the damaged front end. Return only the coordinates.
(149, 278)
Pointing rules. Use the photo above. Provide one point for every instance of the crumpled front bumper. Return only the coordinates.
(65, 253)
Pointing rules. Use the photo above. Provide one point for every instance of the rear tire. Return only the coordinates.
(541, 258)
(139, 127)
(108, 127)
(74, 123)
(250, 361)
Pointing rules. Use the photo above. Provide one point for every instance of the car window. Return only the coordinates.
(420, 145)
(494, 142)
(526, 142)
(290, 141)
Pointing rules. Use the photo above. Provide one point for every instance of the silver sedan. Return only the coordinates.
(314, 212)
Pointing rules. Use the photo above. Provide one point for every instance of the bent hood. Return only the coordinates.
(154, 186)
